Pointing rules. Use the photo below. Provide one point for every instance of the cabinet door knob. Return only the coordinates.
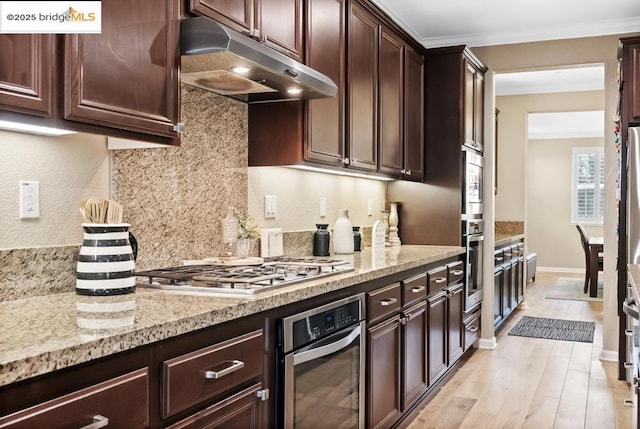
(403, 171)
(345, 161)
(235, 365)
(179, 127)
(408, 173)
(98, 422)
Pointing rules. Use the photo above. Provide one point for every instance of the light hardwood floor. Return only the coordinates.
(534, 383)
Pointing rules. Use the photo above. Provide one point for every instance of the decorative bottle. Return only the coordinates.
(343, 233)
(321, 240)
(357, 239)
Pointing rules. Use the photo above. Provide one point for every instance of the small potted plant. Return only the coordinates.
(248, 232)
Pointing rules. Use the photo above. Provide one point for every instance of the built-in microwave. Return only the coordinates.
(472, 186)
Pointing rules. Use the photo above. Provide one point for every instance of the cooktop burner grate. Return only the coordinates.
(244, 280)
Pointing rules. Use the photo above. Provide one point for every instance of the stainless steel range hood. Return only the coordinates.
(212, 55)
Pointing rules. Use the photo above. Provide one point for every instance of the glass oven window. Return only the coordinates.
(327, 390)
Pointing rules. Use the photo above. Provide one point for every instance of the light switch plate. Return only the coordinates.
(270, 206)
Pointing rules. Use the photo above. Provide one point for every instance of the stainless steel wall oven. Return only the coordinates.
(321, 356)
(472, 239)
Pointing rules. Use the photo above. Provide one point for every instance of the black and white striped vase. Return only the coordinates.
(105, 264)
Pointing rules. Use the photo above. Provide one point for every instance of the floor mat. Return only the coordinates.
(573, 288)
(554, 329)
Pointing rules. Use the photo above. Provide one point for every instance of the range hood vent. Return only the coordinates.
(221, 60)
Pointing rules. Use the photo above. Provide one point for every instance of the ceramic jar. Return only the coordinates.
(321, 240)
(106, 264)
(343, 233)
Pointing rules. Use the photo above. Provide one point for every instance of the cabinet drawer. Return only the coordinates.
(197, 376)
(383, 302)
(414, 289)
(455, 272)
(471, 329)
(436, 279)
(122, 402)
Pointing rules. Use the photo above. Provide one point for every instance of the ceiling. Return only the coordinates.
(499, 22)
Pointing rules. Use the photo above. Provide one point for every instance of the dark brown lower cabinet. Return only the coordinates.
(437, 335)
(445, 330)
(242, 410)
(509, 280)
(414, 368)
(121, 402)
(383, 379)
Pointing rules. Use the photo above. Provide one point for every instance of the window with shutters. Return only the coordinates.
(587, 205)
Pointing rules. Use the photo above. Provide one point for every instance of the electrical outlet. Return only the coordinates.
(29, 199)
(270, 206)
(323, 206)
(369, 207)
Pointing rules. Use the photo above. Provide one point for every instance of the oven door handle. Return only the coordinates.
(630, 308)
(475, 238)
(343, 341)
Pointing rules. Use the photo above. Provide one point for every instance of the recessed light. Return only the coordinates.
(33, 129)
(241, 69)
(294, 91)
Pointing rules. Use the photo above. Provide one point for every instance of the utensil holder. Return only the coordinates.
(105, 264)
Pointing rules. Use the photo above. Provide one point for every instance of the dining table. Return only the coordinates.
(596, 246)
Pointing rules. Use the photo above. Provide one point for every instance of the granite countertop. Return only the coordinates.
(46, 333)
(505, 239)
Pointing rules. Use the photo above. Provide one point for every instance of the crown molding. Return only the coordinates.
(592, 29)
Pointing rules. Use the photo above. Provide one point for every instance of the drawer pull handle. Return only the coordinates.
(439, 280)
(388, 301)
(235, 365)
(417, 289)
(499, 259)
(473, 329)
(457, 272)
(98, 422)
(628, 332)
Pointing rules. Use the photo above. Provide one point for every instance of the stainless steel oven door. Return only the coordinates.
(324, 382)
(473, 191)
(473, 283)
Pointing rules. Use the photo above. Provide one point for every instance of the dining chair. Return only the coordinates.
(584, 240)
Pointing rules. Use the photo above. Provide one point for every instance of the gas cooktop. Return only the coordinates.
(242, 280)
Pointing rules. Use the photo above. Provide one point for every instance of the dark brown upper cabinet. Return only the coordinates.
(390, 100)
(473, 104)
(413, 167)
(362, 92)
(127, 76)
(325, 52)
(277, 23)
(374, 124)
(122, 82)
(631, 81)
(26, 73)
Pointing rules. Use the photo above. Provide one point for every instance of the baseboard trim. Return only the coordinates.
(609, 356)
(487, 344)
(561, 270)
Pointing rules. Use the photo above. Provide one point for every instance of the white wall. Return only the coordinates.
(298, 197)
(534, 179)
(551, 234)
(69, 168)
(588, 50)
